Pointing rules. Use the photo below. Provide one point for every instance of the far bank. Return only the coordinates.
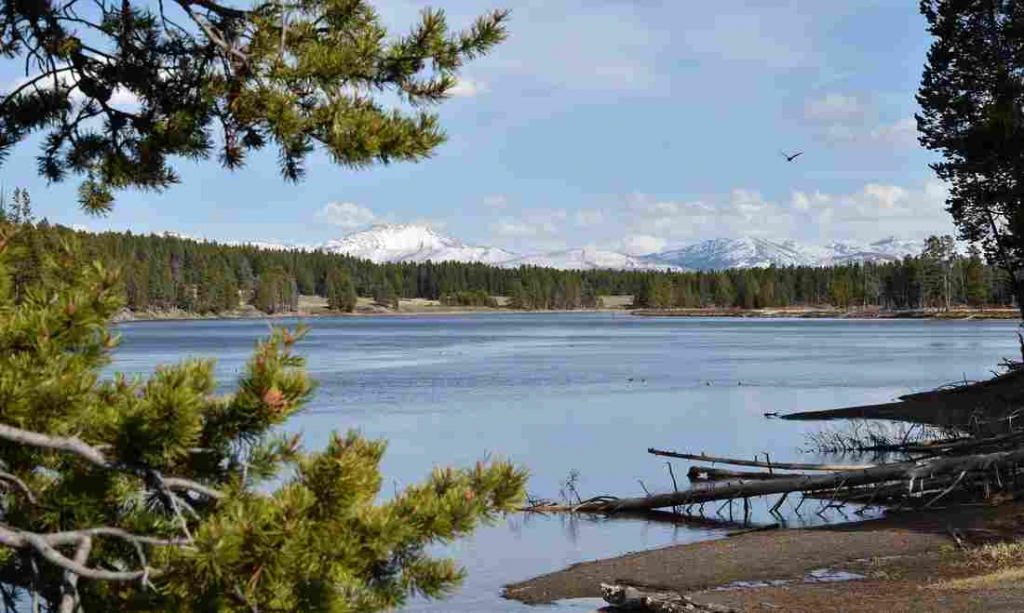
(315, 306)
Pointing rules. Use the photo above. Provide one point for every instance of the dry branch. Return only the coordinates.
(634, 599)
(773, 465)
(885, 473)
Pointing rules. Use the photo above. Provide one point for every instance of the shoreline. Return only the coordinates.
(126, 316)
(148, 316)
(900, 562)
(814, 313)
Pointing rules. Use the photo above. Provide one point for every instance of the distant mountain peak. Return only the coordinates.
(412, 243)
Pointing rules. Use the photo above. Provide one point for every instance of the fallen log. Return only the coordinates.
(704, 473)
(650, 515)
(885, 473)
(758, 464)
(995, 399)
(634, 599)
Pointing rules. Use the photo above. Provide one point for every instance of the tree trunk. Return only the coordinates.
(884, 473)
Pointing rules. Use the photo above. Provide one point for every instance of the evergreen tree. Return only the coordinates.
(265, 74)
(276, 291)
(977, 286)
(724, 294)
(160, 495)
(384, 294)
(971, 97)
(341, 292)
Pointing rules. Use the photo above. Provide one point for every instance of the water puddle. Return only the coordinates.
(577, 604)
(818, 575)
(828, 575)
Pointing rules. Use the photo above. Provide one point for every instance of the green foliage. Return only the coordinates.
(384, 294)
(341, 292)
(971, 97)
(161, 272)
(276, 291)
(121, 89)
(291, 530)
(470, 298)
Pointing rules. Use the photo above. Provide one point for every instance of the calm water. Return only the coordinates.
(553, 393)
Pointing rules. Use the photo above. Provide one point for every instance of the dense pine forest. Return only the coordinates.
(168, 272)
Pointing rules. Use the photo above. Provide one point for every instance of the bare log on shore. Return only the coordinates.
(885, 473)
(758, 464)
(994, 401)
(634, 599)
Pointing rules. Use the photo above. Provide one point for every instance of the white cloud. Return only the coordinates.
(848, 120)
(347, 215)
(834, 107)
(496, 202)
(589, 217)
(433, 224)
(532, 223)
(607, 49)
(469, 88)
(767, 39)
(806, 202)
(902, 133)
(120, 98)
(642, 244)
(511, 228)
(868, 213)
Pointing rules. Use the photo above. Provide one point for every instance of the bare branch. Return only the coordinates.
(73, 444)
(30, 83)
(178, 484)
(69, 602)
(18, 485)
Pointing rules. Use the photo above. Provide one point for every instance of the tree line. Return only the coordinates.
(169, 272)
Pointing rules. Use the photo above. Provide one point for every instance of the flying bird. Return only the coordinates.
(790, 158)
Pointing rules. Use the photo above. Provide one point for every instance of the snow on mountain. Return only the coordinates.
(417, 243)
(268, 246)
(412, 243)
(721, 254)
(886, 250)
(584, 259)
(748, 252)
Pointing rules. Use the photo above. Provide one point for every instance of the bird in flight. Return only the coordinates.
(790, 158)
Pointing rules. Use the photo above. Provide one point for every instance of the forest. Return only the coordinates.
(170, 272)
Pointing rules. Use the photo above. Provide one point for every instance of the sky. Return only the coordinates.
(628, 125)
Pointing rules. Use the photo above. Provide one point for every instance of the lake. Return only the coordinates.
(588, 392)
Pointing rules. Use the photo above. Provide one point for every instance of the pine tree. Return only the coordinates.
(971, 97)
(159, 495)
(341, 292)
(265, 74)
(976, 284)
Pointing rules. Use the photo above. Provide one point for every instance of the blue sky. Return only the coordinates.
(633, 125)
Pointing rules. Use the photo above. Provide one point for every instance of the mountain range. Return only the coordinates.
(417, 243)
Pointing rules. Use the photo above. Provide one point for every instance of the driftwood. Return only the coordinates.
(991, 403)
(886, 473)
(769, 465)
(630, 598)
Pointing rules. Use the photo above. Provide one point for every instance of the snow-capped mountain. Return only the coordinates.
(748, 252)
(412, 243)
(888, 249)
(723, 253)
(584, 259)
(418, 243)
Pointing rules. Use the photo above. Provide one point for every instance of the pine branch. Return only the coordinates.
(96, 457)
(45, 545)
